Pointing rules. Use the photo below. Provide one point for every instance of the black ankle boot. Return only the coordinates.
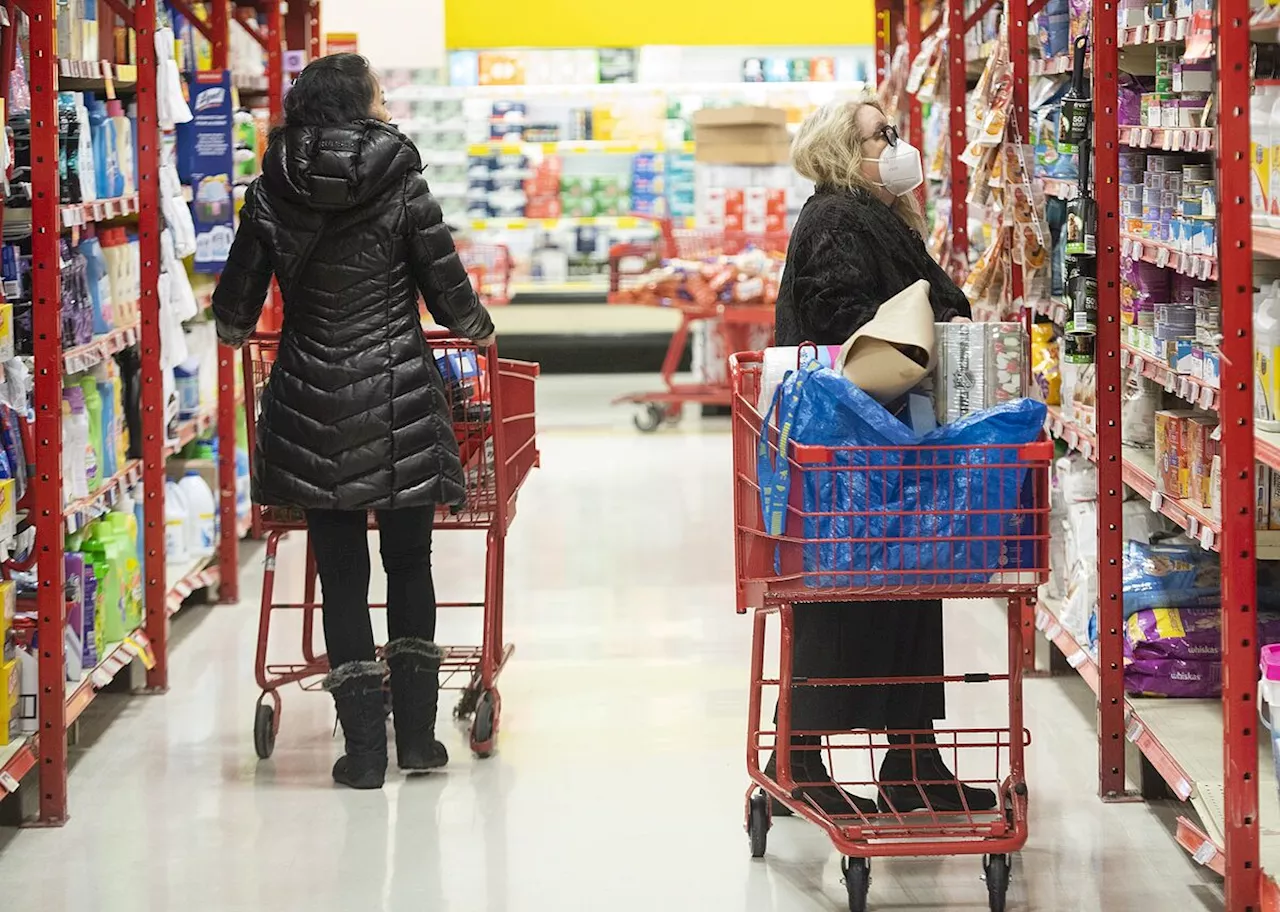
(357, 694)
(937, 788)
(415, 695)
(807, 767)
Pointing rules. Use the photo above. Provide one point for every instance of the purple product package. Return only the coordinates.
(1173, 678)
(1186, 634)
(1130, 106)
(90, 621)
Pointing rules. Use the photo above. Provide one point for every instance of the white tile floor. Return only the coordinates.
(619, 781)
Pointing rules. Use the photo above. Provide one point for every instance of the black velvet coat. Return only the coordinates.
(849, 253)
(354, 416)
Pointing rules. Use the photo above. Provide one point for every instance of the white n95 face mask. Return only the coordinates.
(901, 170)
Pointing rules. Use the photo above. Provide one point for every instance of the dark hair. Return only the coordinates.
(331, 91)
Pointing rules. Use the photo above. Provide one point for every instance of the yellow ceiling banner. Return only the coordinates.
(472, 24)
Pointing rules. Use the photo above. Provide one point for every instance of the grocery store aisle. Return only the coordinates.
(619, 780)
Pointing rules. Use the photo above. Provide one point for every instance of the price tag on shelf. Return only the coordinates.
(1206, 268)
(1206, 538)
(1042, 619)
(1053, 631)
(1207, 850)
(1126, 247)
(8, 783)
(1206, 397)
(1170, 382)
(1086, 449)
(1177, 140)
(1184, 388)
(1193, 526)
(1077, 658)
(1073, 439)
(1153, 32)
(1145, 141)
(100, 677)
(1125, 358)
(1134, 730)
(1162, 257)
(1157, 501)
(1183, 790)
(1182, 28)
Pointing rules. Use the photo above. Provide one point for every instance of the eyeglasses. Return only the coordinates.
(887, 131)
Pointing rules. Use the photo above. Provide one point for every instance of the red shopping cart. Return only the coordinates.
(636, 278)
(848, 527)
(489, 267)
(494, 424)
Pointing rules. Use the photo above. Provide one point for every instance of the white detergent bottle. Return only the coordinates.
(176, 516)
(1260, 155)
(1266, 349)
(203, 512)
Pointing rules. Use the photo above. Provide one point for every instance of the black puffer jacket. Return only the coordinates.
(354, 416)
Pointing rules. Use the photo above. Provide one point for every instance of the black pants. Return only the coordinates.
(339, 539)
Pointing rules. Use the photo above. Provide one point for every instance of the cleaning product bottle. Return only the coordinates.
(87, 167)
(176, 515)
(76, 439)
(110, 461)
(101, 548)
(1273, 198)
(1260, 155)
(96, 444)
(124, 530)
(203, 512)
(123, 136)
(99, 131)
(186, 378)
(98, 281)
(1266, 350)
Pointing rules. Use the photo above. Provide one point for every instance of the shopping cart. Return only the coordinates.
(489, 268)
(494, 424)
(852, 529)
(631, 265)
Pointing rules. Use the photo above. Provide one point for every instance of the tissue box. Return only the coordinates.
(980, 365)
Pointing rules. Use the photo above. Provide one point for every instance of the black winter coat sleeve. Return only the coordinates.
(437, 269)
(848, 255)
(246, 276)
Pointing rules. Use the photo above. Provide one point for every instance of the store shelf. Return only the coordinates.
(96, 76)
(1140, 474)
(1169, 139)
(183, 579)
(82, 357)
(721, 89)
(1163, 31)
(117, 656)
(1197, 265)
(1077, 656)
(81, 512)
(574, 147)
(192, 428)
(250, 85)
(1266, 242)
(80, 214)
(1195, 391)
(528, 224)
(17, 758)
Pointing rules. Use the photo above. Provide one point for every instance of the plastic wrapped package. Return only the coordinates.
(1138, 407)
(1170, 576)
(1173, 678)
(979, 365)
(1077, 478)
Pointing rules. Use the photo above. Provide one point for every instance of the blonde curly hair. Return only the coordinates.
(827, 149)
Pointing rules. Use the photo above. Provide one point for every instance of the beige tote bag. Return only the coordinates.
(895, 351)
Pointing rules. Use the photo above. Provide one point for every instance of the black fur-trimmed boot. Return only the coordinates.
(415, 696)
(816, 783)
(357, 693)
(925, 782)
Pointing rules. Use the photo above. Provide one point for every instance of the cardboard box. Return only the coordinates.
(8, 608)
(1200, 451)
(743, 135)
(1173, 478)
(10, 699)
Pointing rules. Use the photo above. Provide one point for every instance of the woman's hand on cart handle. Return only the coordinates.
(958, 319)
(488, 341)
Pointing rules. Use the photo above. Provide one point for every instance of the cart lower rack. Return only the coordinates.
(495, 427)
(855, 527)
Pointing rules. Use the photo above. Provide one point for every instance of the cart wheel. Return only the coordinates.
(484, 727)
(857, 880)
(758, 823)
(996, 868)
(674, 415)
(264, 730)
(650, 418)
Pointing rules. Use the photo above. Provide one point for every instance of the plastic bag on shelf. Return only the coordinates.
(1138, 411)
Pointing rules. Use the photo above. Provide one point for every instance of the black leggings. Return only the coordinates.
(339, 539)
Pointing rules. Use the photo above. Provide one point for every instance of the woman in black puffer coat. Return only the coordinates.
(355, 417)
(857, 243)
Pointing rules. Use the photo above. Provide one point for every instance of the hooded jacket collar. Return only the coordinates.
(339, 167)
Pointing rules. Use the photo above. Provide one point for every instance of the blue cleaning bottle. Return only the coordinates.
(103, 147)
(99, 282)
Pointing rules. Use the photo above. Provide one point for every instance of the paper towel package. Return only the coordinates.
(980, 365)
(779, 360)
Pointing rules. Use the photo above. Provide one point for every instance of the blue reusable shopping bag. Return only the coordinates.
(876, 517)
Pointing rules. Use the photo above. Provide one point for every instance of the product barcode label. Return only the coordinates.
(1134, 730)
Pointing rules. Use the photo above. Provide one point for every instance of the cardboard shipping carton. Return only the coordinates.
(743, 135)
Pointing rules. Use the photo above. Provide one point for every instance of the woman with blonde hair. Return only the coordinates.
(857, 243)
